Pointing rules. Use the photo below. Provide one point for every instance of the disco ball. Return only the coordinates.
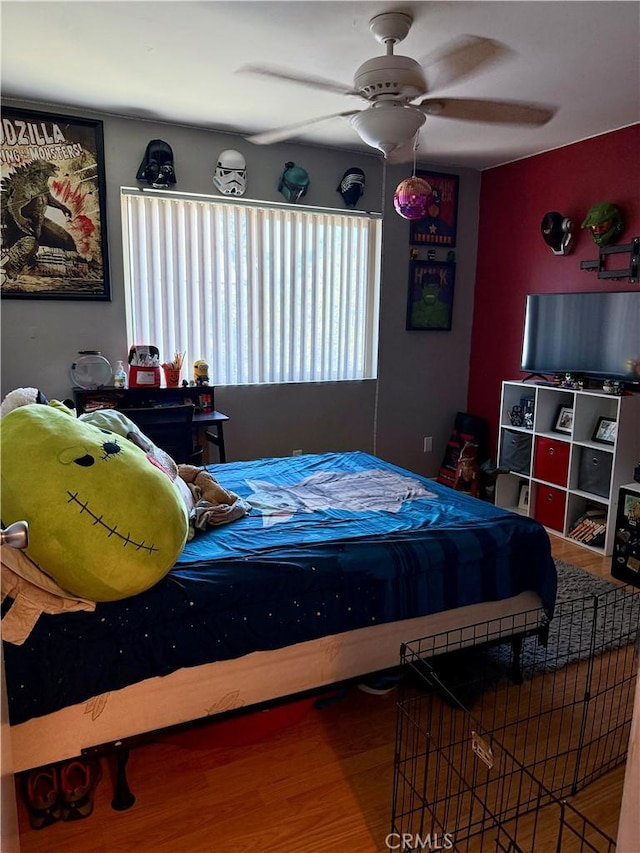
(411, 198)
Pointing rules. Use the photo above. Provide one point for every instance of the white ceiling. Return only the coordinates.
(177, 62)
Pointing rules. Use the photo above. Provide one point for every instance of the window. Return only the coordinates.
(263, 293)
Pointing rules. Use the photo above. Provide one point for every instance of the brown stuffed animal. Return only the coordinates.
(468, 470)
(204, 486)
(213, 504)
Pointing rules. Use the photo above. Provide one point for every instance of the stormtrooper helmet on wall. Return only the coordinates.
(230, 175)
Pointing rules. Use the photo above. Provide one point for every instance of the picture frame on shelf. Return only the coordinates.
(523, 497)
(606, 431)
(430, 296)
(564, 420)
(55, 243)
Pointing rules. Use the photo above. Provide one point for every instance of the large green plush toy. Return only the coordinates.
(105, 520)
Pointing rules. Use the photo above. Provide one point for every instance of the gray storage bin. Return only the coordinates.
(594, 475)
(515, 453)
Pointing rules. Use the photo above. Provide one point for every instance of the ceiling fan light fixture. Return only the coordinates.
(387, 125)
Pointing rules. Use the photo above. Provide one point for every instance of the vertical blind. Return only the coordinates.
(262, 293)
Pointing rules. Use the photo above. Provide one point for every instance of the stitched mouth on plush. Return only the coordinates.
(113, 531)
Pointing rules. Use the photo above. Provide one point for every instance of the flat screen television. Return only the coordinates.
(595, 334)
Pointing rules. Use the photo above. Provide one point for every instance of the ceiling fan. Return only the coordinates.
(391, 84)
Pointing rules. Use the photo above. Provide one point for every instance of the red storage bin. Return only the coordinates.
(551, 460)
(549, 507)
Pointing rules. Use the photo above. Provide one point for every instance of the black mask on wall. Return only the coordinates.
(157, 168)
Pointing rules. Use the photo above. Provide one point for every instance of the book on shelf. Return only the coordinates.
(590, 528)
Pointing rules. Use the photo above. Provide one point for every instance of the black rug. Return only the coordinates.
(592, 615)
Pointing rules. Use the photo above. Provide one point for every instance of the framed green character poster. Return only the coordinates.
(430, 297)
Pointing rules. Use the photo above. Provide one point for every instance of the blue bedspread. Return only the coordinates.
(335, 542)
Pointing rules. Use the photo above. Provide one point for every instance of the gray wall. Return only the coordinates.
(423, 376)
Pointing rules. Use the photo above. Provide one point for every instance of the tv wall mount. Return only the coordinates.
(630, 272)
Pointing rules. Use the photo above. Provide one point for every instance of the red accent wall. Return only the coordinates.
(514, 260)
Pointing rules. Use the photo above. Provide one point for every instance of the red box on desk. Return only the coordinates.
(144, 377)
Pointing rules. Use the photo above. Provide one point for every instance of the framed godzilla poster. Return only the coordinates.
(54, 239)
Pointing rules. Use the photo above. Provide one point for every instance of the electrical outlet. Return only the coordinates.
(427, 445)
(296, 453)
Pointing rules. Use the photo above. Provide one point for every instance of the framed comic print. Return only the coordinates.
(430, 298)
(439, 227)
(54, 236)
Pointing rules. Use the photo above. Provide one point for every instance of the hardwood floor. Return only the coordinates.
(322, 783)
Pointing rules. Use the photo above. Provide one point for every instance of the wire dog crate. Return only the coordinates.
(483, 763)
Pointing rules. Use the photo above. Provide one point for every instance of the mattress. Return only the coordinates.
(335, 543)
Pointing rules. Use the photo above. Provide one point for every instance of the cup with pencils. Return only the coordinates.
(172, 370)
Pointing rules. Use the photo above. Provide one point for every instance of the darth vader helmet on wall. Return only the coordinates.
(557, 232)
(157, 167)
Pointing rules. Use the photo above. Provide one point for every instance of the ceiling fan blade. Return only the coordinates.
(281, 133)
(460, 58)
(295, 77)
(490, 112)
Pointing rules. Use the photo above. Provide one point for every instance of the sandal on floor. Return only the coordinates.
(78, 781)
(41, 794)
